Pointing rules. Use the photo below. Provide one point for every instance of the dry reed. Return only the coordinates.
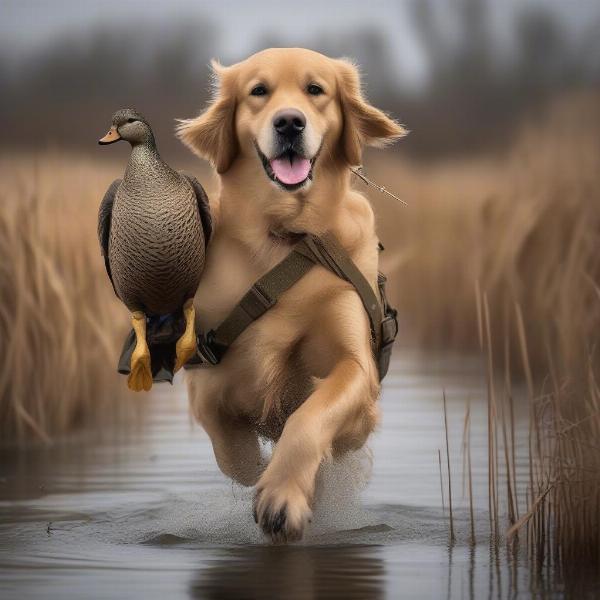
(560, 515)
(562, 512)
(526, 226)
(452, 535)
(524, 232)
(60, 328)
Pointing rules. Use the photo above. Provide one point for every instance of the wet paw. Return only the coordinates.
(140, 376)
(281, 513)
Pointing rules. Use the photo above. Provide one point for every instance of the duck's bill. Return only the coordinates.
(111, 137)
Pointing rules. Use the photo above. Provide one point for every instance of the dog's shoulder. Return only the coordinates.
(354, 228)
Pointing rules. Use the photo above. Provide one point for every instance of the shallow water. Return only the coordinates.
(147, 513)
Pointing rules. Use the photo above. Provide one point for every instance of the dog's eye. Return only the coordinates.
(132, 120)
(259, 90)
(315, 90)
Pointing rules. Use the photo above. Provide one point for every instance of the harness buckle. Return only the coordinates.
(206, 354)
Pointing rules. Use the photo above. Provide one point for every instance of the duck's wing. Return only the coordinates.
(104, 219)
(203, 206)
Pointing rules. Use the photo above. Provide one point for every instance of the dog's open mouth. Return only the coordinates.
(290, 170)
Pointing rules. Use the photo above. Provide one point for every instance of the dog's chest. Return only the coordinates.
(230, 271)
(262, 374)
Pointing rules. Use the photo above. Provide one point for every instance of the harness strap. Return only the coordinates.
(260, 298)
(264, 294)
(331, 255)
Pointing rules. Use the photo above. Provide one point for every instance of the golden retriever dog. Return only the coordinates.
(282, 130)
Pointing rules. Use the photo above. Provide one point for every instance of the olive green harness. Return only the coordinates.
(309, 251)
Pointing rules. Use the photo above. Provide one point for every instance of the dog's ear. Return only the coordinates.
(211, 135)
(364, 125)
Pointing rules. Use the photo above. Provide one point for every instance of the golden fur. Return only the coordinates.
(316, 339)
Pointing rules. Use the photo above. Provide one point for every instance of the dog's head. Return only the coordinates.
(290, 111)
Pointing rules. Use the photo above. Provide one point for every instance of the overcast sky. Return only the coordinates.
(25, 25)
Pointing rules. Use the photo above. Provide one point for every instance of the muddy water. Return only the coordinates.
(146, 513)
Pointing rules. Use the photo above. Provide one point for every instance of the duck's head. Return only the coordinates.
(128, 125)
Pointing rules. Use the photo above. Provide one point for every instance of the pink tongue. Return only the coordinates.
(293, 173)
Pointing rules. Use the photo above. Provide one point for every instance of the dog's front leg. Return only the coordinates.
(342, 411)
(235, 444)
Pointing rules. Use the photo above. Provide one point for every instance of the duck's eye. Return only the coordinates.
(314, 89)
(259, 90)
(132, 120)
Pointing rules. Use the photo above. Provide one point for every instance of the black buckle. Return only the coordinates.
(206, 351)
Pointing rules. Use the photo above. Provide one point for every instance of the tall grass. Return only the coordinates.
(555, 516)
(563, 501)
(525, 227)
(561, 520)
(60, 325)
(502, 256)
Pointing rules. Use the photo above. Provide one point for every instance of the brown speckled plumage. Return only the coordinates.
(151, 231)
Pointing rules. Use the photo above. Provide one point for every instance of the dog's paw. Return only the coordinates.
(282, 512)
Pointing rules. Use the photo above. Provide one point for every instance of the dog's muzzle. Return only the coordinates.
(289, 167)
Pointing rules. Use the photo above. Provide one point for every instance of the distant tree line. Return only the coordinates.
(474, 94)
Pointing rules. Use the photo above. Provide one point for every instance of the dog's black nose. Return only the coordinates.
(289, 123)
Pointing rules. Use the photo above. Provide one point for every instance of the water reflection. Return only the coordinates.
(292, 572)
(148, 514)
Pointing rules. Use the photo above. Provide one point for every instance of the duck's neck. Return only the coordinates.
(144, 160)
(144, 153)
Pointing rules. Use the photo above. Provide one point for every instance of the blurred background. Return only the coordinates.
(461, 75)
(500, 171)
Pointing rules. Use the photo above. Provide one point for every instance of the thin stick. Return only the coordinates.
(471, 512)
(441, 480)
(464, 448)
(452, 536)
(509, 484)
(492, 437)
(529, 378)
(512, 443)
(358, 172)
(508, 384)
(530, 513)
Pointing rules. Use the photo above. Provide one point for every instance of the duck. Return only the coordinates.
(153, 229)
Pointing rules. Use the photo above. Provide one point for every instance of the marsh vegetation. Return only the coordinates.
(59, 324)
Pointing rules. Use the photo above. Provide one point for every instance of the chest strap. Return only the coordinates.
(263, 295)
(331, 255)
